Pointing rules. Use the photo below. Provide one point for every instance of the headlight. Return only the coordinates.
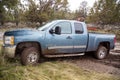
(9, 40)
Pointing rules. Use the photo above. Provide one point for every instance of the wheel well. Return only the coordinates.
(105, 44)
(21, 46)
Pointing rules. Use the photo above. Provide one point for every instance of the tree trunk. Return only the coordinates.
(1, 18)
(40, 23)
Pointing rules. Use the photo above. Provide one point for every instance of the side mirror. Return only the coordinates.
(51, 31)
(57, 30)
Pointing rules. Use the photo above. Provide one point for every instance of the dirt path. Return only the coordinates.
(110, 65)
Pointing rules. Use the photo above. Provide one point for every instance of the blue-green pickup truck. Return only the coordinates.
(56, 39)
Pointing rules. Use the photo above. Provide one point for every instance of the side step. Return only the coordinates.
(64, 55)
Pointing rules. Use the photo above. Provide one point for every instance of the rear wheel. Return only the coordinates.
(30, 56)
(101, 52)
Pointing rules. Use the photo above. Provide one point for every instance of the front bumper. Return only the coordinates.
(9, 51)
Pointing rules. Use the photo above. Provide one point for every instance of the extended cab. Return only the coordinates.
(55, 39)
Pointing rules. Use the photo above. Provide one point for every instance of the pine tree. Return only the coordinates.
(46, 10)
(6, 4)
(105, 12)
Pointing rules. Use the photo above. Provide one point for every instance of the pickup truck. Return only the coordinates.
(58, 38)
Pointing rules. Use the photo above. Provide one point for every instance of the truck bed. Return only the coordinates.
(95, 38)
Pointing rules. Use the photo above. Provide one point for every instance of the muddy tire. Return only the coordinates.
(30, 56)
(101, 52)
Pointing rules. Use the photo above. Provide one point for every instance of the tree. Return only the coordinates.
(117, 12)
(82, 11)
(46, 10)
(93, 15)
(4, 6)
(105, 12)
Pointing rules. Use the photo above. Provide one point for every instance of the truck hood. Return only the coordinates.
(23, 35)
(21, 32)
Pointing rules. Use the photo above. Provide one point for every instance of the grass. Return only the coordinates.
(51, 71)
(1, 55)
(11, 69)
(1, 46)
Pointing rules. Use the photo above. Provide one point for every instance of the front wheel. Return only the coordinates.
(30, 56)
(101, 52)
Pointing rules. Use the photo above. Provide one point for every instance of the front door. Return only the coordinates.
(60, 43)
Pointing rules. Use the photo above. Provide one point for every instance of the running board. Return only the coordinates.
(64, 55)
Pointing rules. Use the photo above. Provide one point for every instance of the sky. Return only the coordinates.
(74, 4)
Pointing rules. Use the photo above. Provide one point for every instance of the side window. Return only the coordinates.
(78, 28)
(65, 27)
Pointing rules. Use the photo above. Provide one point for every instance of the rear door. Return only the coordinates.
(80, 38)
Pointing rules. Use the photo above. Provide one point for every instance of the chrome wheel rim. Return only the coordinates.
(102, 53)
(32, 57)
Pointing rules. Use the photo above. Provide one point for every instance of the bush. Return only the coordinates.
(1, 55)
(116, 32)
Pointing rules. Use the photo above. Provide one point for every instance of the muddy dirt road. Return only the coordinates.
(110, 65)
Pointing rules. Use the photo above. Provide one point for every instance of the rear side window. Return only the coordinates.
(78, 28)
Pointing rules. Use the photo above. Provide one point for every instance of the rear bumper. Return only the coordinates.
(9, 51)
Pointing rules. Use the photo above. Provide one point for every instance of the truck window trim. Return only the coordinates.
(82, 29)
(64, 22)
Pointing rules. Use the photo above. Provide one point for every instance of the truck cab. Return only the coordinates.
(66, 37)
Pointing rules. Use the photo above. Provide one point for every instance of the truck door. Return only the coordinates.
(80, 38)
(60, 43)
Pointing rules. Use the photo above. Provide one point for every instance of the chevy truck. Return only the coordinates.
(57, 38)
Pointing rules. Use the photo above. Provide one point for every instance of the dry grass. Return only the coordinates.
(51, 71)
(11, 69)
(1, 55)
(1, 43)
(56, 70)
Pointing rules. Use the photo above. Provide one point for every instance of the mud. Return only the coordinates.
(110, 65)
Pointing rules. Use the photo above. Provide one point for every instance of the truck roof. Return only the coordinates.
(68, 20)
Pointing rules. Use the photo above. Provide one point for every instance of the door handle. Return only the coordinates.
(69, 37)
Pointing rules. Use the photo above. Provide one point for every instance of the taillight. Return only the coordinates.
(114, 40)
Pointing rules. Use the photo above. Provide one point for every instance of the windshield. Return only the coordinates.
(46, 26)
